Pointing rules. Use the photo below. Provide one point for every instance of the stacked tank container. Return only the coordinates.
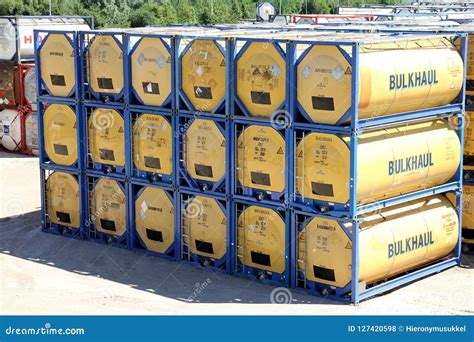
(199, 145)
(347, 186)
(61, 133)
(18, 107)
(448, 27)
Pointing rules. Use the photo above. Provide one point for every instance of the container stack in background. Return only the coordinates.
(255, 156)
(18, 107)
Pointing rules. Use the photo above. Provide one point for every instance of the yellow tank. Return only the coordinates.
(153, 144)
(390, 162)
(205, 151)
(151, 71)
(396, 240)
(203, 74)
(62, 198)
(394, 77)
(60, 134)
(105, 63)
(261, 78)
(154, 219)
(203, 65)
(108, 207)
(261, 239)
(58, 71)
(106, 137)
(204, 227)
(261, 159)
(469, 133)
(468, 214)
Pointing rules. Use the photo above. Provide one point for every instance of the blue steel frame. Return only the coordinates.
(342, 209)
(241, 192)
(253, 273)
(238, 109)
(353, 211)
(99, 98)
(183, 104)
(134, 101)
(184, 180)
(74, 101)
(42, 90)
(91, 233)
(110, 170)
(146, 176)
(357, 127)
(136, 242)
(221, 265)
(290, 208)
(352, 291)
(58, 229)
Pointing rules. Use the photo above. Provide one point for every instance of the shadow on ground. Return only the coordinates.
(22, 237)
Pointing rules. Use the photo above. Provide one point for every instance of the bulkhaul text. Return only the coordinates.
(410, 244)
(412, 79)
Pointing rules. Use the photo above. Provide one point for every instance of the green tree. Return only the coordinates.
(316, 7)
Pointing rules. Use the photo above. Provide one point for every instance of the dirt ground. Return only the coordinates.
(46, 274)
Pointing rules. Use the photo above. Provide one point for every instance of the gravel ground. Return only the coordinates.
(46, 274)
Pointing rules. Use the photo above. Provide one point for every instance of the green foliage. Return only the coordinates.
(136, 13)
(316, 6)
